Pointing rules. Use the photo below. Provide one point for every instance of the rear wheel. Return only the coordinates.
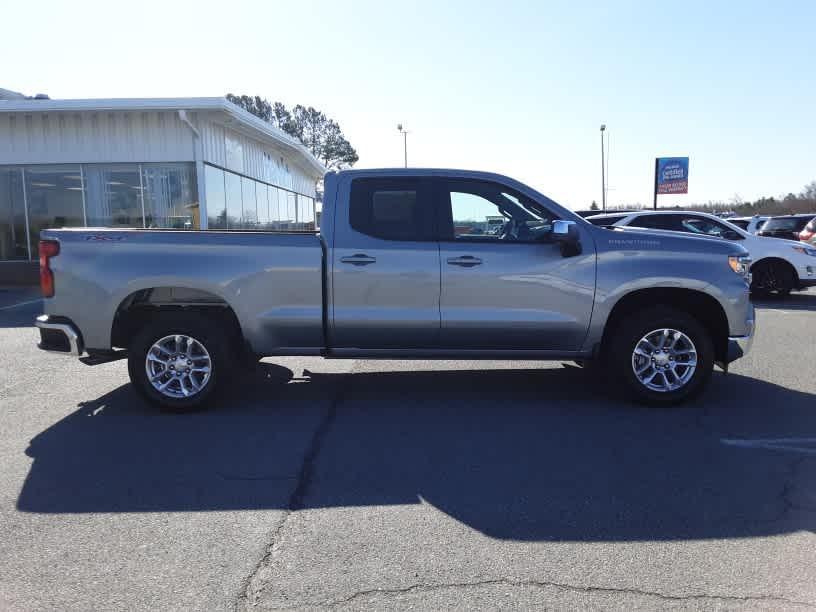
(660, 356)
(771, 276)
(177, 360)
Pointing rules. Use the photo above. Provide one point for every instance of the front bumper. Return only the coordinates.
(739, 346)
(59, 335)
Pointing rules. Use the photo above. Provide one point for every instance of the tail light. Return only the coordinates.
(48, 249)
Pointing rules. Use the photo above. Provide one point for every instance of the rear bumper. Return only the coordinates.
(59, 335)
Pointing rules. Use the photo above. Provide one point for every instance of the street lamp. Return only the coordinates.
(405, 142)
(603, 175)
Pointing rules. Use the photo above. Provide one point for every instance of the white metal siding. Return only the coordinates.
(95, 137)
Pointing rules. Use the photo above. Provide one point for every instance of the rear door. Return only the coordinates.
(507, 286)
(385, 266)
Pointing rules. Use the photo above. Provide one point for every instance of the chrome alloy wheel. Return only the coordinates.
(664, 360)
(178, 366)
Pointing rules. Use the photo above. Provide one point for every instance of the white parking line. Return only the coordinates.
(795, 445)
(20, 304)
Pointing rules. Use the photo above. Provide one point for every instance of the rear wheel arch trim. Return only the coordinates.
(126, 302)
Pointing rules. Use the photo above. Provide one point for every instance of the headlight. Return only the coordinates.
(805, 250)
(740, 264)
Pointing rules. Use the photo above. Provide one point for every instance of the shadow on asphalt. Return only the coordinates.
(805, 300)
(515, 454)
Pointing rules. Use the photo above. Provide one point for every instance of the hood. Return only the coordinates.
(666, 240)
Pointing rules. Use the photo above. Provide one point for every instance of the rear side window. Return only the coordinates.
(392, 209)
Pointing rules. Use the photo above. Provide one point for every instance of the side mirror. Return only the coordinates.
(732, 235)
(565, 233)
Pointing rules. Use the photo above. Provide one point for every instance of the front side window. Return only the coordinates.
(391, 209)
(481, 211)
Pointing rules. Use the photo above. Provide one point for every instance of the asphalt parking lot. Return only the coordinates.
(379, 484)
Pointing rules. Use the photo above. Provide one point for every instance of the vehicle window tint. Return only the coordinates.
(782, 223)
(664, 222)
(606, 220)
(391, 209)
(482, 211)
(701, 225)
(743, 223)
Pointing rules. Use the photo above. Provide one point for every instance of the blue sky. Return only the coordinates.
(514, 87)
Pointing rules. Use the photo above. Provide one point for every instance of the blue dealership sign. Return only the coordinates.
(672, 174)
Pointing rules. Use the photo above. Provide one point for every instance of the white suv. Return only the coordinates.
(778, 265)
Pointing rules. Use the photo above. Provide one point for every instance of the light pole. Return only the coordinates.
(603, 167)
(404, 142)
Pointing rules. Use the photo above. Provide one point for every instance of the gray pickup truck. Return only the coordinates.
(407, 264)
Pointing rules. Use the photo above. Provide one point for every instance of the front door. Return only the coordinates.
(385, 267)
(505, 283)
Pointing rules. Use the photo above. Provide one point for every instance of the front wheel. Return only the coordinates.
(177, 360)
(660, 356)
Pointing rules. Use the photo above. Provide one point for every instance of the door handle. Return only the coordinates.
(359, 259)
(466, 261)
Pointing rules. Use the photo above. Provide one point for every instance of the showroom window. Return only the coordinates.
(88, 195)
(239, 202)
(170, 196)
(152, 195)
(234, 207)
(113, 196)
(13, 242)
(249, 201)
(216, 198)
(54, 197)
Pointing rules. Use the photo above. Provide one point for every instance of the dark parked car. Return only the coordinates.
(787, 227)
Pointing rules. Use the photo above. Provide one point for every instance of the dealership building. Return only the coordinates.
(181, 163)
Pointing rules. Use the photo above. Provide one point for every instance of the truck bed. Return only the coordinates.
(273, 281)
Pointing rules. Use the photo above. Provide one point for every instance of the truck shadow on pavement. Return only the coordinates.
(805, 300)
(515, 454)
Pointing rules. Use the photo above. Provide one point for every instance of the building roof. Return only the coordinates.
(255, 126)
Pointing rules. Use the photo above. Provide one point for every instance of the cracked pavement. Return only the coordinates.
(396, 485)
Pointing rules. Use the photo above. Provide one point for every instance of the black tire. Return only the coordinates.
(625, 338)
(191, 324)
(772, 276)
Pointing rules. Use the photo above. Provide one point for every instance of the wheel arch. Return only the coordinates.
(698, 304)
(136, 308)
(780, 261)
